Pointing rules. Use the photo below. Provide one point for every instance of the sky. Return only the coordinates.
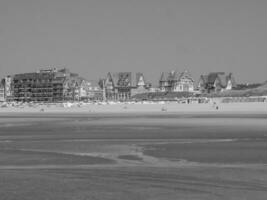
(93, 37)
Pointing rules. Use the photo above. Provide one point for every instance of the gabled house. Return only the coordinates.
(84, 87)
(74, 89)
(90, 90)
(176, 82)
(121, 86)
(184, 83)
(163, 82)
(65, 85)
(140, 85)
(216, 82)
(71, 89)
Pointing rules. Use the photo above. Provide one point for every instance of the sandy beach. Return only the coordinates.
(141, 107)
(135, 155)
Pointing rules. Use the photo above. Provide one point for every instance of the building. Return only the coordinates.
(71, 89)
(123, 85)
(49, 85)
(6, 89)
(176, 82)
(2, 90)
(89, 90)
(94, 91)
(33, 86)
(58, 88)
(66, 86)
(166, 81)
(9, 89)
(216, 82)
(84, 87)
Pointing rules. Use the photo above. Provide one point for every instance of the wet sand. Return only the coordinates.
(133, 156)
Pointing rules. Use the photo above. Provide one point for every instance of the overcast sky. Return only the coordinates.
(93, 37)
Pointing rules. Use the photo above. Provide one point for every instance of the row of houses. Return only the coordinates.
(124, 85)
(183, 82)
(48, 85)
(53, 85)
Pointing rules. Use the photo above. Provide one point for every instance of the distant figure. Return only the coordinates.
(42, 110)
(163, 109)
(215, 106)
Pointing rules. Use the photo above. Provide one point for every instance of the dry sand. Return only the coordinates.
(168, 107)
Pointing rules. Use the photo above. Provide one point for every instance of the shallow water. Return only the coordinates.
(113, 156)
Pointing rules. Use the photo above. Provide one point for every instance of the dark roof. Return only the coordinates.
(186, 74)
(119, 77)
(173, 75)
(72, 81)
(218, 76)
(205, 78)
(169, 76)
(163, 77)
(115, 79)
(213, 76)
(136, 78)
(2, 83)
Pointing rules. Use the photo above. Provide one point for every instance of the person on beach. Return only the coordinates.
(215, 106)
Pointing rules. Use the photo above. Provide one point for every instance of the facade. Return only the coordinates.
(90, 90)
(2, 91)
(66, 86)
(9, 89)
(176, 82)
(94, 92)
(71, 89)
(49, 85)
(33, 87)
(123, 85)
(58, 88)
(216, 82)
